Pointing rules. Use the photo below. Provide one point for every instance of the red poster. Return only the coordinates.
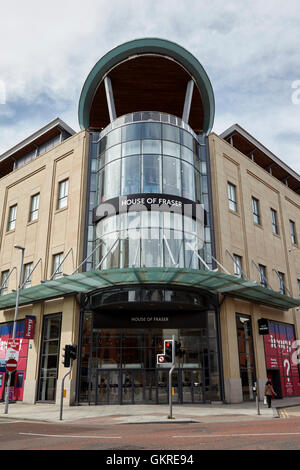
(280, 358)
(29, 327)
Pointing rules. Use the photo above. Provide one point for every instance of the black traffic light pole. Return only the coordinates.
(170, 376)
(62, 390)
(70, 356)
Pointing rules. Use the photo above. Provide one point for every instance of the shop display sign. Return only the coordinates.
(29, 327)
(12, 351)
(280, 349)
(263, 326)
(149, 202)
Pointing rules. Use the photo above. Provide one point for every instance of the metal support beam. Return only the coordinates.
(169, 250)
(262, 274)
(286, 289)
(201, 259)
(6, 279)
(236, 264)
(106, 255)
(81, 264)
(31, 272)
(188, 101)
(110, 99)
(60, 265)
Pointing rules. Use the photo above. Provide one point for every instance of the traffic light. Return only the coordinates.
(178, 351)
(66, 356)
(70, 354)
(73, 352)
(168, 346)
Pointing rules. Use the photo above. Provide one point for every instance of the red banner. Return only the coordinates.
(279, 351)
(29, 327)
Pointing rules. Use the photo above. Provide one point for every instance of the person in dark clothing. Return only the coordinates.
(269, 391)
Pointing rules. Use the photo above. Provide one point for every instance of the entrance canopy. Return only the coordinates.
(207, 281)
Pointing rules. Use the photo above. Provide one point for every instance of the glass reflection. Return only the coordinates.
(131, 175)
(112, 180)
(151, 174)
(171, 176)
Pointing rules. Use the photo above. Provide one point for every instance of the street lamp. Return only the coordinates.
(19, 247)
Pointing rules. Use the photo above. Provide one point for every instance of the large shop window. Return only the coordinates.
(118, 365)
(49, 358)
(246, 355)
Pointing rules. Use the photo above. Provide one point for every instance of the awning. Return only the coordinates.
(212, 282)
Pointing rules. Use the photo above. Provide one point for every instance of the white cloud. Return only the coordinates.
(249, 49)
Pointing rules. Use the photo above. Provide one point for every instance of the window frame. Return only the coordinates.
(293, 232)
(62, 200)
(256, 211)
(32, 211)
(274, 219)
(229, 194)
(281, 279)
(263, 278)
(25, 275)
(238, 260)
(11, 223)
(4, 289)
(54, 267)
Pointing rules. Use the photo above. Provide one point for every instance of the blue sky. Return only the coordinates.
(250, 50)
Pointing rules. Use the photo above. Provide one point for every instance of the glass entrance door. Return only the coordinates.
(134, 386)
(162, 385)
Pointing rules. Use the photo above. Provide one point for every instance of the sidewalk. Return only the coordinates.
(117, 414)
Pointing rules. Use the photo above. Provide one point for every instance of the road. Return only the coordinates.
(270, 434)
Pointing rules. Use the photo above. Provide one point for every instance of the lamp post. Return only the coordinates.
(15, 322)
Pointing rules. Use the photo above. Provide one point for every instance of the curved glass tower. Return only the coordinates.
(152, 162)
(148, 106)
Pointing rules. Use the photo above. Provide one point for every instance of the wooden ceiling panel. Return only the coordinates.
(147, 83)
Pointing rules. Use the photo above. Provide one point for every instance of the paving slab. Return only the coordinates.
(119, 414)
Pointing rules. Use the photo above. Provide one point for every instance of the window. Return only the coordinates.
(34, 207)
(237, 269)
(19, 381)
(293, 232)
(232, 197)
(151, 174)
(171, 176)
(255, 208)
(274, 222)
(246, 355)
(57, 269)
(26, 275)
(49, 361)
(112, 180)
(281, 283)
(4, 282)
(12, 218)
(262, 275)
(130, 175)
(63, 189)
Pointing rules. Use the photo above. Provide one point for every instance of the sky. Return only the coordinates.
(250, 50)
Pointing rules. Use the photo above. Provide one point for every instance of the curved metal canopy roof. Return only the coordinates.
(137, 76)
(212, 282)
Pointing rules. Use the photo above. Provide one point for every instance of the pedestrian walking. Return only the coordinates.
(269, 390)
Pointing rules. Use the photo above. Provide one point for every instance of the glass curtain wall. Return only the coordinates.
(140, 158)
(148, 157)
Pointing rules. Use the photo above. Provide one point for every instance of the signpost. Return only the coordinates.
(168, 357)
(15, 326)
(11, 365)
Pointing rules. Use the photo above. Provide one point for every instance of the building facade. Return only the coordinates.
(144, 225)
